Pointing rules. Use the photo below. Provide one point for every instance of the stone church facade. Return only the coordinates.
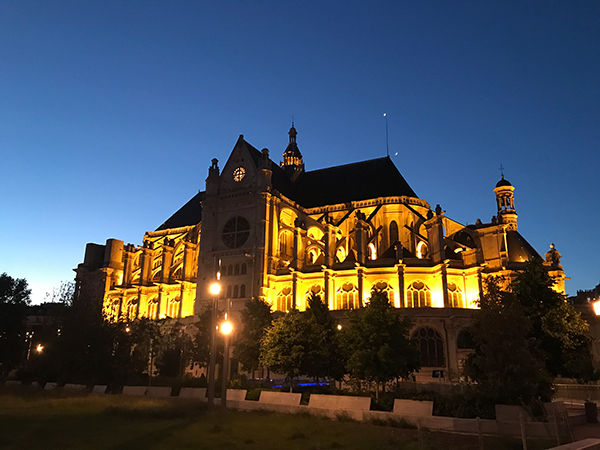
(280, 233)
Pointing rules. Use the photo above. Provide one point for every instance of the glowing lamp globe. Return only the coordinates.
(226, 328)
(215, 288)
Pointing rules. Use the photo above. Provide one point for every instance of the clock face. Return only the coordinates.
(239, 173)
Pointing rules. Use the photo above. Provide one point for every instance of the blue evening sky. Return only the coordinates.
(110, 111)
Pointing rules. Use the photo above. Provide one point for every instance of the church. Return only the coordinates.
(279, 233)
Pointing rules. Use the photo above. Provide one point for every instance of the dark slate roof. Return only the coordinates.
(351, 182)
(503, 182)
(188, 214)
(279, 179)
(519, 250)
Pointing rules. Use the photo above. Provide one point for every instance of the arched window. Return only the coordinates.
(340, 254)
(243, 269)
(455, 296)
(372, 252)
(114, 309)
(385, 287)
(235, 291)
(284, 299)
(152, 308)
(243, 291)
(431, 345)
(347, 297)
(418, 295)
(229, 291)
(156, 277)
(229, 270)
(173, 308)
(132, 310)
(317, 290)
(464, 340)
(236, 270)
(422, 250)
(393, 232)
(285, 245)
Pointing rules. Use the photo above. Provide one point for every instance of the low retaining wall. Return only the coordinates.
(413, 408)
(236, 394)
(343, 402)
(188, 392)
(280, 398)
(99, 389)
(138, 391)
(75, 387)
(158, 391)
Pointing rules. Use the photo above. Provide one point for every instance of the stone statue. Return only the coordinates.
(553, 257)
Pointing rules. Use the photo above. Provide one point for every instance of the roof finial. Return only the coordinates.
(501, 171)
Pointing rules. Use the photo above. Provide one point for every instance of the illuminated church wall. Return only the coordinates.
(279, 233)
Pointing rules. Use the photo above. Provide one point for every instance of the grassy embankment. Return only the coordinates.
(55, 420)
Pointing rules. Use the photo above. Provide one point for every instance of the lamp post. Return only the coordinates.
(215, 289)
(226, 329)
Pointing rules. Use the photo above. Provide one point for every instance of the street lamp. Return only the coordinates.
(226, 329)
(215, 289)
(39, 348)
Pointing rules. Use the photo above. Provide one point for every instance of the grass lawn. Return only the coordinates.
(53, 420)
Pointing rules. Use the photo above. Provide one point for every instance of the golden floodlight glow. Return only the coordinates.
(39, 348)
(597, 307)
(339, 327)
(215, 288)
(226, 327)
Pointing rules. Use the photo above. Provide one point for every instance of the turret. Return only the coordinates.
(292, 162)
(506, 203)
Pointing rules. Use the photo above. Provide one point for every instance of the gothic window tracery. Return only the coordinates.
(152, 308)
(418, 295)
(132, 310)
(455, 296)
(347, 297)
(316, 290)
(431, 346)
(284, 299)
(173, 307)
(385, 287)
(236, 232)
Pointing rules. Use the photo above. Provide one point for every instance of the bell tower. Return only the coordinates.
(506, 203)
(292, 162)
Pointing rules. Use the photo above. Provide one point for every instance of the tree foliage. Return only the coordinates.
(506, 363)
(377, 344)
(291, 344)
(256, 318)
(14, 300)
(561, 333)
(327, 361)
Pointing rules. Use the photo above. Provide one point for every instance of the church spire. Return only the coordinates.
(292, 162)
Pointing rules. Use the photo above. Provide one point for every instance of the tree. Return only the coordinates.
(256, 318)
(506, 363)
(176, 351)
(290, 344)
(327, 361)
(14, 300)
(560, 331)
(377, 344)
